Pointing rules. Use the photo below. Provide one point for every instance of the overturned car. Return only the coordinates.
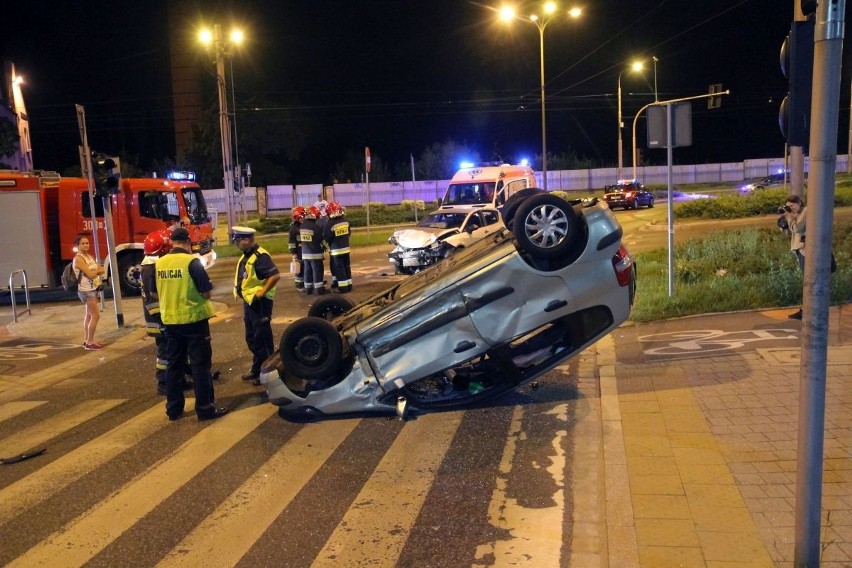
(440, 234)
(481, 322)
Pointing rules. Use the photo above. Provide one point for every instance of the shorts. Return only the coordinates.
(86, 296)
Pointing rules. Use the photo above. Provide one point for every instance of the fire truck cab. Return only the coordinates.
(62, 208)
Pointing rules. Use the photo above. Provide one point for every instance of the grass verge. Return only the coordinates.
(732, 271)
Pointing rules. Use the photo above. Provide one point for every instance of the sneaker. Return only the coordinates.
(92, 346)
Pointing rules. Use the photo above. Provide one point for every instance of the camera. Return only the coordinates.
(785, 209)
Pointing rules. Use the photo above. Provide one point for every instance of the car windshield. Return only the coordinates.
(469, 193)
(443, 220)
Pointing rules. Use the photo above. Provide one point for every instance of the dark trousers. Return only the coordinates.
(189, 340)
(313, 274)
(257, 318)
(342, 271)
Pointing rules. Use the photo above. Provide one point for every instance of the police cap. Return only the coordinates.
(242, 232)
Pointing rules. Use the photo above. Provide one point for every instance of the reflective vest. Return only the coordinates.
(251, 285)
(180, 300)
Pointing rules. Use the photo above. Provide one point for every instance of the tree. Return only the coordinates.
(441, 160)
(267, 139)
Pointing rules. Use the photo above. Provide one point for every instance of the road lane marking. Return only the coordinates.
(52, 478)
(12, 409)
(231, 530)
(376, 526)
(87, 535)
(536, 533)
(40, 433)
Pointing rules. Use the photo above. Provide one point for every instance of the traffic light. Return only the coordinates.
(715, 101)
(106, 173)
(797, 64)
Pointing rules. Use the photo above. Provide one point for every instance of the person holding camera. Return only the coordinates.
(794, 215)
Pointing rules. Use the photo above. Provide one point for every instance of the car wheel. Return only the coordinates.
(311, 348)
(511, 207)
(329, 307)
(546, 226)
(651, 203)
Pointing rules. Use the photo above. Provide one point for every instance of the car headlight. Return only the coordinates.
(392, 240)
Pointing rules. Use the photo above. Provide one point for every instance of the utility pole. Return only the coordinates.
(825, 109)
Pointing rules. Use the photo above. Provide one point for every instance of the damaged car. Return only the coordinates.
(497, 314)
(438, 235)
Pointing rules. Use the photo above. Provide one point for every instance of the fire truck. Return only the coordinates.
(41, 213)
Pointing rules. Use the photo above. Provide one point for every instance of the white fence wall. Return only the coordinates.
(282, 197)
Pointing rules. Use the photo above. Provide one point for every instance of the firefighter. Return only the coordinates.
(155, 244)
(337, 232)
(255, 282)
(310, 235)
(185, 308)
(298, 215)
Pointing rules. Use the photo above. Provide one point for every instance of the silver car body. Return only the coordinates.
(482, 298)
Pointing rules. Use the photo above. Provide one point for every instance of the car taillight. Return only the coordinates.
(623, 265)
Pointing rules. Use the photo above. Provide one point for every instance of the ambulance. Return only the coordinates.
(487, 185)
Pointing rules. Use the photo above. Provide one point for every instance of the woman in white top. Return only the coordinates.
(89, 279)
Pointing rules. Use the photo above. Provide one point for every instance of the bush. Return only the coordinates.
(764, 202)
(731, 271)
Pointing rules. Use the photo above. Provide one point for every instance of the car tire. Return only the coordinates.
(329, 307)
(129, 272)
(651, 203)
(508, 210)
(546, 226)
(311, 348)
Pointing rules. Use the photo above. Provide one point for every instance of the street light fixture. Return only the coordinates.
(636, 66)
(224, 48)
(549, 12)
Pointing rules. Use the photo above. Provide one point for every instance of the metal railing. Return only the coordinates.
(26, 294)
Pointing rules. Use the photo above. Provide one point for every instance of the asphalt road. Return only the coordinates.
(497, 485)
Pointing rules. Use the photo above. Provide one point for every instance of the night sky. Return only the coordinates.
(401, 75)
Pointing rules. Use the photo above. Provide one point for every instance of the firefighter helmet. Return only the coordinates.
(157, 243)
(334, 209)
(313, 212)
(298, 213)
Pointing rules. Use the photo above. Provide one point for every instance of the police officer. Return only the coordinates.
(310, 235)
(254, 282)
(184, 293)
(293, 244)
(337, 234)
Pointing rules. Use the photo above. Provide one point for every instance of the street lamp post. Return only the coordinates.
(549, 10)
(223, 48)
(635, 66)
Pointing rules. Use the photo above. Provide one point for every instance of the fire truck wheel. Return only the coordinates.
(128, 272)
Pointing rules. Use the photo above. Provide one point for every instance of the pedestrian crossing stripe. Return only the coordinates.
(12, 409)
(61, 472)
(40, 433)
(385, 510)
(229, 532)
(84, 537)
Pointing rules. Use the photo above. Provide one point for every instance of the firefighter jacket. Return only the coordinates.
(337, 234)
(310, 235)
(293, 239)
(150, 301)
